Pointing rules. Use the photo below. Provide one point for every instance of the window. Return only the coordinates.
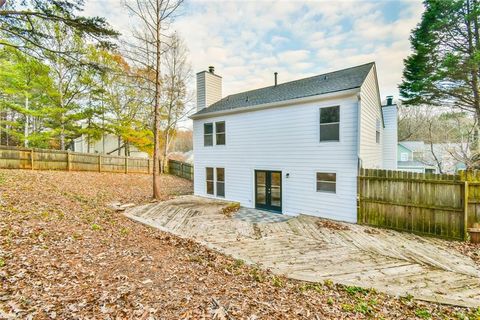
(404, 156)
(209, 181)
(330, 124)
(220, 131)
(377, 132)
(208, 134)
(326, 182)
(220, 182)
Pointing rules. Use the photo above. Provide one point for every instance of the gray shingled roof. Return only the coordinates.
(340, 80)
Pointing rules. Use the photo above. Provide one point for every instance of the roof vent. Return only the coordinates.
(325, 77)
(246, 100)
(211, 69)
(389, 100)
(276, 77)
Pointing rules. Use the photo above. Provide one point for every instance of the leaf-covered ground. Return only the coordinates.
(64, 254)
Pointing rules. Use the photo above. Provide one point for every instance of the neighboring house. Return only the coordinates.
(108, 144)
(411, 157)
(186, 157)
(421, 157)
(294, 147)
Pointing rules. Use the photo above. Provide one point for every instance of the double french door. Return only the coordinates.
(268, 190)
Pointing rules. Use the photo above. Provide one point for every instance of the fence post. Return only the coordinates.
(68, 161)
(99, 163)
(31, 158)
(465, 209)
(126, 164)
(182, 174)
(148, 165)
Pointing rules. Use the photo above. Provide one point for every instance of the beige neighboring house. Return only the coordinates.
(109, 144)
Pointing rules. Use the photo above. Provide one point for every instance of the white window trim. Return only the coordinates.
(212, 134)
(339, 124)
(403, 154)
(325, 192)
(216, 181)
(206, 182)
(215, 133)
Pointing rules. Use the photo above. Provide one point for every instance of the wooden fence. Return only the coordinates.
(43, 159)
(180, 169)
(432, 204)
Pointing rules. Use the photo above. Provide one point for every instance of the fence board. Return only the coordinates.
(44, 159)
(180, 169)
(433, 204)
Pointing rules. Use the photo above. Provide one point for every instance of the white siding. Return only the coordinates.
(370, 112)
(209, 89)
(285, 139)
(390, 137)
(111, 144)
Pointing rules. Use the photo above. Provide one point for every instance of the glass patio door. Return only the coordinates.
(268, 190)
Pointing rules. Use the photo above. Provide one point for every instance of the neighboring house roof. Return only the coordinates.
(340, 80)
(414, 146)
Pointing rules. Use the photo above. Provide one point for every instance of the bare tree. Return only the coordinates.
(154, 17)
(178, 73)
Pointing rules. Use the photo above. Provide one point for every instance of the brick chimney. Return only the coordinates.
(209, 88)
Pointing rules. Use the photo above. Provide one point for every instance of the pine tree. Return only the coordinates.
(18, 24)
(443, 69)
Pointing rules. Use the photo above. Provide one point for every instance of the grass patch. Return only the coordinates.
(317, 287)
(257, 275)
(423, 314)
(277, 282)
(124, 231)
(353, 290)
(2, 263)
(96, 227)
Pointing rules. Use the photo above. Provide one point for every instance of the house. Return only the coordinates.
(107, 144)
(411, 157)
(293, 147)
(421, 157)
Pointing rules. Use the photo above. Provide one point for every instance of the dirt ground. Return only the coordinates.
(65, 255)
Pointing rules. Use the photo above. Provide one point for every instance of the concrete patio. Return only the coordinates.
(312, 249)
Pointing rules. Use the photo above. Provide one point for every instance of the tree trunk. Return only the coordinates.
(473, 45)
(26, 122)
(156, 122)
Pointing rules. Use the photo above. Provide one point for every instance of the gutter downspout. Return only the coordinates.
(359, 131)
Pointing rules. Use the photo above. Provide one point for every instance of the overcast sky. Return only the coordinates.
(247, 41)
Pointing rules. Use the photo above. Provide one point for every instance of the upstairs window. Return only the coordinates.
(209, 180)
(220, 182)
(377, 131)
(220, 132)
(404, 156)
(208, 134)
(326, 182)
(330, 124)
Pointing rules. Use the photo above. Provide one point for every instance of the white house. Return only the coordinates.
(293, 147)
(107, 144)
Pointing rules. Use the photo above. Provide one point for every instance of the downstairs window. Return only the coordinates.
(326, 182)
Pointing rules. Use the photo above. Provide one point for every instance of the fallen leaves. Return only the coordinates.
(66, 254)
(329, 224)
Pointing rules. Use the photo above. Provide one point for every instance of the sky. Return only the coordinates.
(247, 41)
